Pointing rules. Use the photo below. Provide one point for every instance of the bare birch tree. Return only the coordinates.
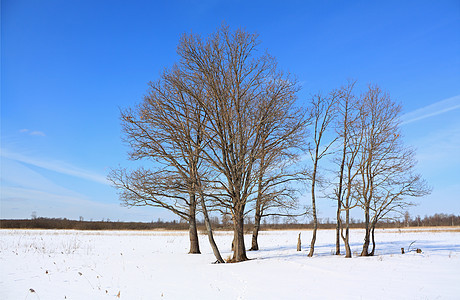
(322, 114)
(346, 112)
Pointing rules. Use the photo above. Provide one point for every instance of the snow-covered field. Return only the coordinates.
(51, 264)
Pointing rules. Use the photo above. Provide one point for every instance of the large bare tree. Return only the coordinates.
(166, 130)
(243, 92)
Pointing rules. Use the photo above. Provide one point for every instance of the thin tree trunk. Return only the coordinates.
(239, 252)
(255, 232)
(346, 238)
(258, 213)
(313, 206)
(347, 234)
(213, 244)
(313, 239)
(339, 193)
(193, 234)
(373, 239)
(365, 251)
(337, 229)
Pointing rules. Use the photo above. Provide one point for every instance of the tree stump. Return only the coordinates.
(299, 243)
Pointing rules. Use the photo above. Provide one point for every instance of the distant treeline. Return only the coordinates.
(434, 220)
(62, 223)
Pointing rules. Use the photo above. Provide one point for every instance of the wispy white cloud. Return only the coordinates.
(32, 132)
(24, 190)
(39, 133)
(56, 166)
(437, 151)
(431, 110)
(20, 202)
(17, 174)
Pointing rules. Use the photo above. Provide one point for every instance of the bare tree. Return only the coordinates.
(275, 193)
(322, 114)
(281, 146)
(243, 92)
(165, 129)
(392, 189)
(349, 198)
(386, 167)
(349, 136)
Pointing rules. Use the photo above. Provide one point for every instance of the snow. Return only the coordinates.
(66, 264)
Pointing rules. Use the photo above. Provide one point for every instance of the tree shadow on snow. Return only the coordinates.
(382, 248)
(430, 246)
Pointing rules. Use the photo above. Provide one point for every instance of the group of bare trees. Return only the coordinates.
(223, 135)
(374, 171)
(221, 130)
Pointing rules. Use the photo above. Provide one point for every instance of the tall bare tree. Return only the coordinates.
(165, 129)
(322, 114)
(350, 136)
(244, 91)
(386, 166)
(346, 118)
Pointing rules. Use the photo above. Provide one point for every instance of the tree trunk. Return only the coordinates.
(193, 234)
(255, 232)
(340, 191)
(213, 244)
(373, 239)
(239, 252)
(339, 200)
(313, 206)
(365, 251)
(347, 243)
(346, 237)
(347, 234)
(337, 229)
(313, 240)
(258, 213)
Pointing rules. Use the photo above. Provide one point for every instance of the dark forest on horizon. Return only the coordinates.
(275, 224)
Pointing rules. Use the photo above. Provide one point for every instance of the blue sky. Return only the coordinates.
(68, 66)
